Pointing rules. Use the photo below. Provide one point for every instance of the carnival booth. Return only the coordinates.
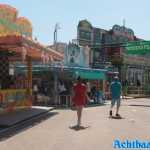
(16, 90)
(17, 46)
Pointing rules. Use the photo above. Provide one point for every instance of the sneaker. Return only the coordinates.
(110, 113)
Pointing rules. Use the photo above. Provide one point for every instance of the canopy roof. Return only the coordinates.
(84, 73)
(91, 74)
(33, 49)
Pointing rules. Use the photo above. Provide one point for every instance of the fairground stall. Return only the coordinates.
(17, 45)
(60, 76)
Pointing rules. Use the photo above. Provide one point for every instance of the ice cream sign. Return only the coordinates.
(138, 48)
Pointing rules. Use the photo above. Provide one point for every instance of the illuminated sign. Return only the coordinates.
(11, 25)
(7, 12)
(24, 25)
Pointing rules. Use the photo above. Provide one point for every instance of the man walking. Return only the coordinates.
(115, 90)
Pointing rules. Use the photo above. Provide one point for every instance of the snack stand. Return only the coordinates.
(17, 45)
(16, 91)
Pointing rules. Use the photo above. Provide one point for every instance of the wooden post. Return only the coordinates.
(29, 75)
(56, 97)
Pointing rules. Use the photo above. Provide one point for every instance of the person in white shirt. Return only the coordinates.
(35, 92)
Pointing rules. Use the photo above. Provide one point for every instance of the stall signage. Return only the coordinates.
(12, 28)
(138, 48)
(136, 60)
(10, 24)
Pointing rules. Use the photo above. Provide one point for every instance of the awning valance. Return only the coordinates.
(84, 73)
(91, 75)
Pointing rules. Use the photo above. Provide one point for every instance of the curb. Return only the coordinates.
(6, 131)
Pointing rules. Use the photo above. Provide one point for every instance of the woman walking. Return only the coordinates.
(79, 98)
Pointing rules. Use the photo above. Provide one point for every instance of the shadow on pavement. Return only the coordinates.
(87, 106)
(20, 115)
(78, 128)
(140, 105)
(6, 133)
(115, 117)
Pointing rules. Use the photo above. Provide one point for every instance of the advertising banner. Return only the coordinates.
(138, 48)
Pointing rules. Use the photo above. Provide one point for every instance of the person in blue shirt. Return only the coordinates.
(115, 89)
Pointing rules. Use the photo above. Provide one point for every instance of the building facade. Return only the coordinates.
(87, 35)
(105, 45)
(76, 56)
(109, 47)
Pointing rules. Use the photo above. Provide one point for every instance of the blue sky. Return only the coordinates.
(44, 14)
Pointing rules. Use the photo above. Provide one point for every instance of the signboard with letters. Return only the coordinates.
(138, 48)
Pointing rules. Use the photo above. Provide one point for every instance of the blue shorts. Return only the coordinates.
(117, 100)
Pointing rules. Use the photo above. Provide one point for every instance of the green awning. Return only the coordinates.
(84, 73)
(91, 75)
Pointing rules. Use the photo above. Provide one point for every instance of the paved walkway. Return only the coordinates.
(13, 118)
(55, 134)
